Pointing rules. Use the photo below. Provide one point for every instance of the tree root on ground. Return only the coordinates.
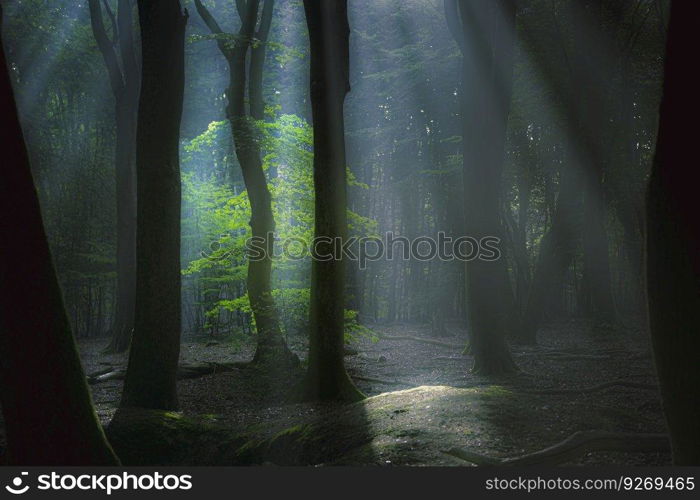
(381, 381)
(599, 387)
(575, 446)
(423, 340)
(563, 356)
(184, 371)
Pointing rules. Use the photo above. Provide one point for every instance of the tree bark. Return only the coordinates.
(152, 370)
(487, 80)
(257, 62)
(592, 118)
(49, 416)
(673, 243)
(122, 69)
(329, 34)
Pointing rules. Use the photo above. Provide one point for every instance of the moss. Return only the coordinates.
(153, 437)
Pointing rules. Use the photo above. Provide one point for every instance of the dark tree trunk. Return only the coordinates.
(271, 346)
(152, 372)
(329, 33)
(257, 62)
(49, 417)
(597, 299)
(592, 118)
(487, 79)
(556, 252)
(673, 243)
(520, 253)
(122, 69)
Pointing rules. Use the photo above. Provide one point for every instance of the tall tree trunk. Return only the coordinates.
(520, 253)
(556, 252)
(487, 79)
(592, 120)
(673, 243)
(49, 416)
(151, 375)
(257, 62)
(122, 69)
(271, 345)
(329, 34)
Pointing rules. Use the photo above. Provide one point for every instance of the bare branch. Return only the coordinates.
(113, 22)
(213, 26)
(106, 48)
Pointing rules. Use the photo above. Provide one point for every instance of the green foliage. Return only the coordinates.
(215, 226)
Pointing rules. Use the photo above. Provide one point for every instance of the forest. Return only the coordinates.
(330, 232)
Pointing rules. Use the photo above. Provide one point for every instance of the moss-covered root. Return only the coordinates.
(155, 437)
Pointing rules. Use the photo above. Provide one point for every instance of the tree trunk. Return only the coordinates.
(49, 417)
(673, 244)
(487, 79)
(592, 118)
(556, 252)
(123, 323)
(123, 73)
(330, 67)
(257, 62)
(152, 371)
(271, 345)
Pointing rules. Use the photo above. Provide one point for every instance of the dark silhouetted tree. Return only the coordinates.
(49, 417)
(673, 243)
(155, 350)
(329, 34)
(487, 40)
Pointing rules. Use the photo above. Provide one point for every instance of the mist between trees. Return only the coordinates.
(297, 176)
(366, 249)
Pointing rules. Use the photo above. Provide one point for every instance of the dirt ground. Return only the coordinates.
(423, 400)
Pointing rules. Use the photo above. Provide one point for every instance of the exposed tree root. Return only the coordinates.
(574, 447)
(575, 357)
(563, 356)
(384, 382)
(422, 340)
(185, 371)
(599, 387)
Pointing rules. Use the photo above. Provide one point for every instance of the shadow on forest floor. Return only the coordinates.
(227, 419)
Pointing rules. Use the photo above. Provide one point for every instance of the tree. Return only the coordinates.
(591, 117)
(486, 38)
(329, 34)
(271, 346)
(152, 371)
(49, 416)
(123, 72)
(673, 244)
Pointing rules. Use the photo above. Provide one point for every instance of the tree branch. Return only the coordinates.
(106, 48)
(113, 21)
(214, 27)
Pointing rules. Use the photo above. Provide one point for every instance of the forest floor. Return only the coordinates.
(423, 399)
